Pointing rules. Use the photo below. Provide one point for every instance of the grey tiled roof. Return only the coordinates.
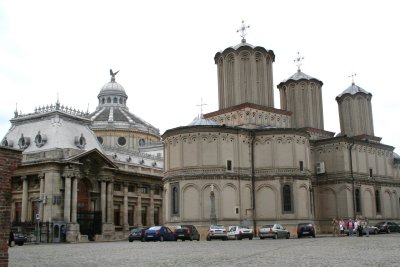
(352, 90)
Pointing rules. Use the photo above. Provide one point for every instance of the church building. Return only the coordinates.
(86, 176)
(264, 165)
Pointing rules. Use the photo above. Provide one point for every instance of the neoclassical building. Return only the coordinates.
(91, 176)
(269, 165)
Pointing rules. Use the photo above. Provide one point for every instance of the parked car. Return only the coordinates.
(305, 229)
(240, 232)
(274, 231)
(187, 232)
(387, 227)
(160, 233)
(20, 239)
(137, 233)
(217, 232)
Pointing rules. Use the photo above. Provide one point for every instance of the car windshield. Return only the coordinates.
(155, 228)
(217, 227)
(305, 224)
(244, 227)
(135, 230)
(268, 226)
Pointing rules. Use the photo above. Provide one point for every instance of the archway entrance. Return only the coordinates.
(89, 220)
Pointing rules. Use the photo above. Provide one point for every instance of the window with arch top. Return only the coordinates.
(287, 198)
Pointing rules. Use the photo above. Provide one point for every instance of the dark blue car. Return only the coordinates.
(160, 233)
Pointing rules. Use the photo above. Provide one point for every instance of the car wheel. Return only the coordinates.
(298, 235)
(143, 239)
(376, 232)
(388, 231)
(275, 236)
(288, 236)
(225, 238)
(250, 238)
(237, 237)
(261, 237)
(130, 240)
(208, 238)
(313, 235)
(161, 239)
(191, 238)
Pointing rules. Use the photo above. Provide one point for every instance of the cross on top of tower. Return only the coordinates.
(201, 107)
(298, 61)
(242, 31)
(352, 78)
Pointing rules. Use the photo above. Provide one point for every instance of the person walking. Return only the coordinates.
(335, 227)
(350, 226)
(341, 227)
(366, 227)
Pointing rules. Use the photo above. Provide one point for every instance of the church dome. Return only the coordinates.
(201, 121)
(299, 76)
(352, 90)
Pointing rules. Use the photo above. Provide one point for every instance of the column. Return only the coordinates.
(41, 177)
(150, 217)
(109, 202)
(67, 200)
(74, 199)
(125, 223)
(103, 201)
(138, 217)
(24, 211)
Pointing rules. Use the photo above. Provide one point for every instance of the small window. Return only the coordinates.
(121, 141)
(358, 201)
(103, 101)
(109, 100)
(370, 173)
(229, 165)
(100, 139)
(131, 188)
(236, 210)
(115, 100)
(117, 187)
(287, 198)
(301, 166)
(144, 189)
(142, 142)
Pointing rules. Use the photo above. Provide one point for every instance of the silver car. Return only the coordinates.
(274, 231)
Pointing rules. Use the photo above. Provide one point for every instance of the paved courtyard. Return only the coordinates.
(380, 250)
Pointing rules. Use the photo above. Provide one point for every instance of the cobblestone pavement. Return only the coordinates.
(380, 250)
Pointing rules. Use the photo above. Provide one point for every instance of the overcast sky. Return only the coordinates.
(165, 53)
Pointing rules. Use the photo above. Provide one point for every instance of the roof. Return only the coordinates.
(51, 130)
(242, 46)
(120, 118)
(299, 76)
(200, 120)
(113, 88)
(352, 90)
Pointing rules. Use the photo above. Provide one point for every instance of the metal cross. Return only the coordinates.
(242, 31)
(298, 61)
(352, 77)
(201, 106)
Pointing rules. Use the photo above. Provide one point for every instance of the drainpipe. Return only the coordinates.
(352, 177)
(252, 137)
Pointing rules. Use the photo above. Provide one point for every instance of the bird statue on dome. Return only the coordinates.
(113, 75)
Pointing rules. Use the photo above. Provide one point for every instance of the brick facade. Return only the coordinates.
(10, 159)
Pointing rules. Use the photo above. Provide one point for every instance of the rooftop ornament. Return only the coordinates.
(352, 78)
(298, 61)
(242, 31)
(113, 75)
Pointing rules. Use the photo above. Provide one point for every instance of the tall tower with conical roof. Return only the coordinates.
(355, 112)
(245, 74)
(301, 94)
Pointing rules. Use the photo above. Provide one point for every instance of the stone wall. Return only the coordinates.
(10, 159)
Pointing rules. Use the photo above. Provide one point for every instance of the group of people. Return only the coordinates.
(356, 226)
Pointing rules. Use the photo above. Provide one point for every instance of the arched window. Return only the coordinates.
(358, 201)
(175, 201)
(287, 198)
(115, 100)
(108, 100)
(103, 101)
(120, 100)
(377, 201)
